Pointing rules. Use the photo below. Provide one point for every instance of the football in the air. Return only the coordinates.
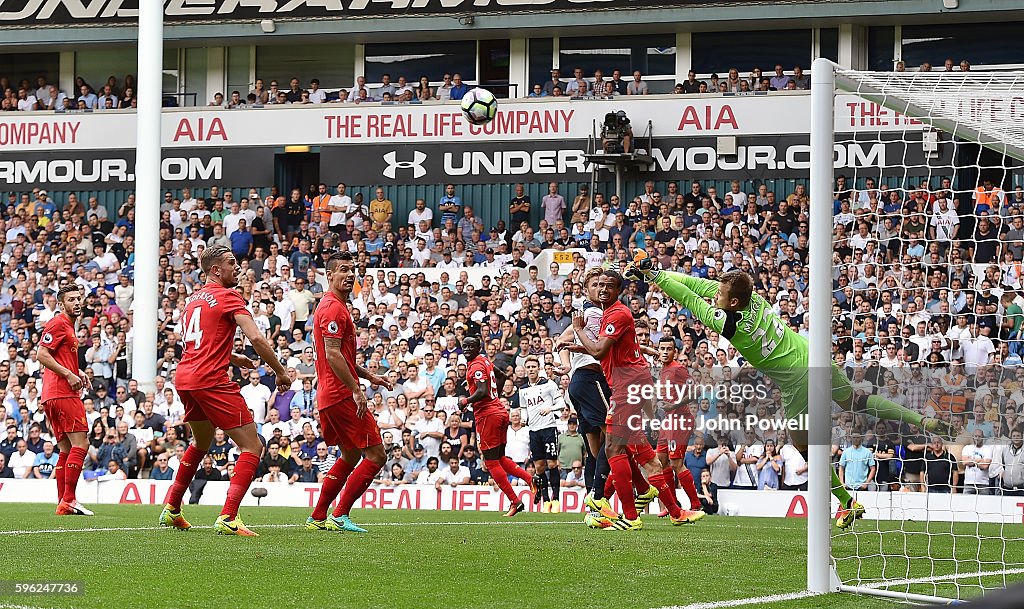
(479, 106)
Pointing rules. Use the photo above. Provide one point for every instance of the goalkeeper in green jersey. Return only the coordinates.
(760, 336)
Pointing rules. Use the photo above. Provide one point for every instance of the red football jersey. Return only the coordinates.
(332, 319)
(477, 371)
(675, 373)
(208, 333)
(681, 418)
(623, 360)
(60, 338)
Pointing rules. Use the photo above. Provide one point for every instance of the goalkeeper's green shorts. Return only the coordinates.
(794, 389)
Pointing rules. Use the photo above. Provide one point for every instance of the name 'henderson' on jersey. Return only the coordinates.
(208, 335)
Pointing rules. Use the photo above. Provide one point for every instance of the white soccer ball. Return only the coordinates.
(479, 106)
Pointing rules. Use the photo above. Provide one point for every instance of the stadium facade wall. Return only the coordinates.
(413, 150)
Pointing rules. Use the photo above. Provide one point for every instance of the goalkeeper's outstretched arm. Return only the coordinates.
(705, 288)
(676, 287)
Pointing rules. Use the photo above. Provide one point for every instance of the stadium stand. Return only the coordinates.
(118, 93)
(410, 327)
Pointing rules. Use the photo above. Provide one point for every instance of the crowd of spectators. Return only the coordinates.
(44, 95)
(119, 94)
(927, 310)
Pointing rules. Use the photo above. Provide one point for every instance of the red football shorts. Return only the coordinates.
(340, 426)
(626, 415)
(642, 451)
(674, 449)
(64, 416)
(492, 429)
(222, 405)
(674, 441)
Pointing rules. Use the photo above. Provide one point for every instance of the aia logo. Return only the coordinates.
(416, 164)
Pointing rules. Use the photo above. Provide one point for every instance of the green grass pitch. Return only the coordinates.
(412, 560)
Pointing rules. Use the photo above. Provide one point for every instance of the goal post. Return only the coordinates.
(925, 237)
(819, 556)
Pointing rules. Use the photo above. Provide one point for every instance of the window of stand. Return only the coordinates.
(935, 43)
(654, 56)
(415, 59)
(719, 51)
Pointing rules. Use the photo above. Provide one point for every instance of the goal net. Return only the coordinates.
(927, 247)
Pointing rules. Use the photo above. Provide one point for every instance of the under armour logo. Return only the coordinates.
(416, 164)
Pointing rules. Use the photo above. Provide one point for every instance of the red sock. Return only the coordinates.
(245, 469)
(622, 478)
(500, 477)
(334, 481)
(609, 487)
(666, 495)
(187, 468)
(59, 473)
(670, 477)
(358, 482)
(640, 483)
(686, 482)
(510, 467)
(72, 472)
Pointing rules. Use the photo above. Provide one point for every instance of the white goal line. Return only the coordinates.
(754, 600)
(792, 596)
(941, 578)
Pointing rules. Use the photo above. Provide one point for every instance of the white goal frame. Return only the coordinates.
(890, 90)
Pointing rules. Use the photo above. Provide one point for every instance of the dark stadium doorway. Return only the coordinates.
(298, 169)
(495, 58)
(976, 163)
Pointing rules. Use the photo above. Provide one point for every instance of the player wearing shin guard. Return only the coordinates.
(589, 395)
(492, 422)
(746, 320)
(62, 397)
(677, 426)
(345, 419)
(628, 373)
(211, 398)
(540, 398)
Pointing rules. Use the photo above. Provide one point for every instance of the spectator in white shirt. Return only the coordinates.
(431, 475)
(316, 94)
(256, 396)
(517, 446)
(420, 213)
(429, 432)
(977, 460)
(26, 101)
(454, 475)
(360, 85)
(22, 460)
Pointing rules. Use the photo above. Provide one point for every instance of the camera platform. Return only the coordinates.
(609, 137)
